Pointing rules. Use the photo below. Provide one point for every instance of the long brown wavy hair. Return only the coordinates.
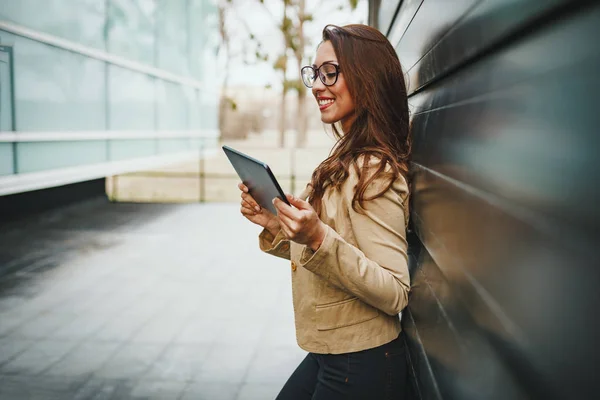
(375, 80)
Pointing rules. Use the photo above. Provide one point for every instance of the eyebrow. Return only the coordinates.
(324, 62)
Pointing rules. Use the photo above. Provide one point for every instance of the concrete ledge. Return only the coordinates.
(19, 183)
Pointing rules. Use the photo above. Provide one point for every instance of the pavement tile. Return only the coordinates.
(11, 320)
(38, 357)
(280, 332)
(11, 347)
(124, 326)
(84, 360)
(255, 391)
(226, 363)
(82, 327)
(24, 387)
(274, 365)
(181, 363)
(43, 325)
(207, 390)
(247, 333)
(200, 330)
(162, 328)
(104, 389)
(158, 390)
(130, 361)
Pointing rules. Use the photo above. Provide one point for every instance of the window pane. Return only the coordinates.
(131, 27)
(40, 156)
(173, 145)
(131, 99)
(172, 106)
(55, 89)
(195, 118)
(172, 36)
(6, 105)
(208, 73)
(127, 149)
(81, 21)
(6, 159)
(198, 32)
(209, 110)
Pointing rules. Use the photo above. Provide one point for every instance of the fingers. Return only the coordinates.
(249, 200)
(299, 222)
(285, 225)
(286, 210)
(246, 211)
(292, 221)
(251, 206)
(297, 202)
(287, 222)
(247, 197)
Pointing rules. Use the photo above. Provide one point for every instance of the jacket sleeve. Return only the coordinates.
(376, 269)
(278, 246)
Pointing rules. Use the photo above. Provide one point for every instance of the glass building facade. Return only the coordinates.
(91, 88)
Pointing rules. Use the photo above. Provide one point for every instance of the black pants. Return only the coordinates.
(374, 374)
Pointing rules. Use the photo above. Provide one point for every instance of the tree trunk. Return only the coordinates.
(301, 139)
(223, 101)
(284, 89)
(282, 116)
(301, 115)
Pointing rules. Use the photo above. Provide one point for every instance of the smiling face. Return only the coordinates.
(335, 102)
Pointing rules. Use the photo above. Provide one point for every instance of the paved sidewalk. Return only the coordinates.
(127, 301)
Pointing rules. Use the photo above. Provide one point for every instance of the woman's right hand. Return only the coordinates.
(256, 214)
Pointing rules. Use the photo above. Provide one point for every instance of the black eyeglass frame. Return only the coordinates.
(316, 71)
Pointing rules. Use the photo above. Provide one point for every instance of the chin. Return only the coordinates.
(328, 120)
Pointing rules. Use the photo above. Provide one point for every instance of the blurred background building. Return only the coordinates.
(124, 97)
(91, 88)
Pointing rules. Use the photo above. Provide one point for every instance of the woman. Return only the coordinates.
(346, 233)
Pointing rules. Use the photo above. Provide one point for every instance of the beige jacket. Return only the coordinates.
(347, 294)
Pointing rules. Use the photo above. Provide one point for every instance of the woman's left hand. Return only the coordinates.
(300, 224)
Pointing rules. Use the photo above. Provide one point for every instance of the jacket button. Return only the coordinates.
(294, 266)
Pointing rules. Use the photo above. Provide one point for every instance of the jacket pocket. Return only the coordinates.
(344, 313)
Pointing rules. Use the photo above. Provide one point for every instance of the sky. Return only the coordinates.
(262, 20)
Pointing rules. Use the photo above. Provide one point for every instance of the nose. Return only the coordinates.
(317, 86)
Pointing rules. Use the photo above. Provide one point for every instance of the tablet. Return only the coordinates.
(257, 176)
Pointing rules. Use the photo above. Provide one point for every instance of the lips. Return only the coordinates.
(324, 102)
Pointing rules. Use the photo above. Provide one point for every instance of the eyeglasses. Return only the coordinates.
(327, 72)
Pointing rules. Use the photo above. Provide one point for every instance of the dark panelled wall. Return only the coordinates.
(505, 100)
